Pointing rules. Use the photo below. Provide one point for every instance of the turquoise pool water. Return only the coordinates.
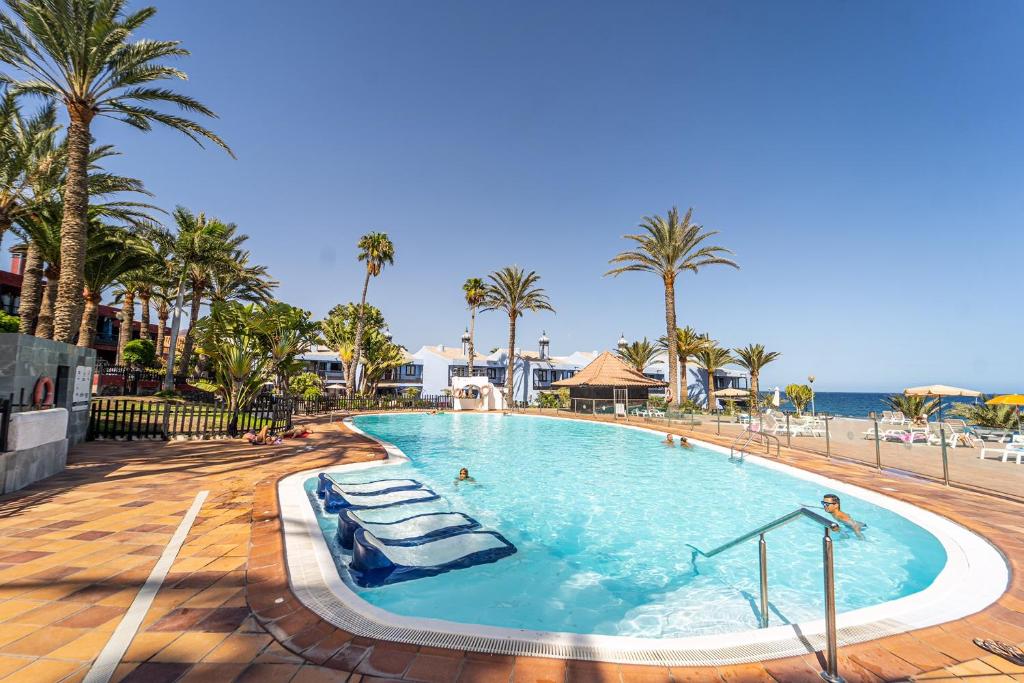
(601, 516)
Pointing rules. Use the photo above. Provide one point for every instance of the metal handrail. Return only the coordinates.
(749, 435)
(831, 673)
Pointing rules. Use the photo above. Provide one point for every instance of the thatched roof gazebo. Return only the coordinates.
(606, 384)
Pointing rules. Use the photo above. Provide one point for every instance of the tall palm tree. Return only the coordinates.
(639, 354)
(26, 146)
(241, 281)
(377, 251)
(753, 358)
(712, 358)
(113, 253)
(80, 53)
(667, 247)
(475, 292)
(130, 283)
(514, 291)
(688, 343)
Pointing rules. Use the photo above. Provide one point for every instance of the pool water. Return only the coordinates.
(602, 515)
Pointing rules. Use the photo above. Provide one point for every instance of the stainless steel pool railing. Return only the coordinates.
(747, 436)
(831, 673)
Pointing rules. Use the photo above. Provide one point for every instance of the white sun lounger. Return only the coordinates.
(1016, 452)
(337, 500)
(412, 528)
(364, 488)
(375, 563)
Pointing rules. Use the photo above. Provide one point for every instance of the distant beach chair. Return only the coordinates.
(1011, 451)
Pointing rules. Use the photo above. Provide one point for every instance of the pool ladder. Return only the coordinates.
(831, 673)
(748, 436)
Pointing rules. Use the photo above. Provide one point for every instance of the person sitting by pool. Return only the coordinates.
(684, 442)
(464, 476)
(669, 441)
(830, 502)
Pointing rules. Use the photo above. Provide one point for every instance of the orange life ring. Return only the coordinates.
(668, 394)
(43, 393)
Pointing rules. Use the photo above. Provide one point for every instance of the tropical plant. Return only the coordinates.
(308, 385)
(8, 323)
(139, 353)
(339, 330)
(376, 250)
(639, 354)
(711, 358)
(475, 292)
(113, 252)
(25, 147)
(80, 53)
(515, 292)
(380, 355)
(916, 408)
(983, 415)
(241, 281)
(667, 247)
(799, 395)
(287, 332)
(753, 358)
(689, 342)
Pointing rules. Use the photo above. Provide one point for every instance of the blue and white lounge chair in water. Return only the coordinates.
(407, 531)
(364, 488)
(337, 499)
(375, 563)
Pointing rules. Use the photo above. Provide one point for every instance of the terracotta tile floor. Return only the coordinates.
(76, 548)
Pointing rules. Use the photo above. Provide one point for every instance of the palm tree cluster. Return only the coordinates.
(378, 354)
(83, 57)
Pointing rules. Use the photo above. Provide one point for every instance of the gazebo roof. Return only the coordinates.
(607, 370)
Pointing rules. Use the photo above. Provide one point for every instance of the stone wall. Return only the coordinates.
(24, 359)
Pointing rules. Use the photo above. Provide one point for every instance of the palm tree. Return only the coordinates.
(712, 358)
(377, 250)
(514, 291)
(688, 343)
(113, 253)
(639, 354)
(475, 291)
(80, 53)
(26, 146)
(753, 358)
(667, 247)
(916, 408)
(241, 281)
(131, 281)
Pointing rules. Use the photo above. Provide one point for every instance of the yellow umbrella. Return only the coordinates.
(940, 390)
(1008, 400)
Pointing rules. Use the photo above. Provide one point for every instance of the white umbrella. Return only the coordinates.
(336, 385)
(938, 391)
(777, 398)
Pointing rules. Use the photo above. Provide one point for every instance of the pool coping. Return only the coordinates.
(315, 581)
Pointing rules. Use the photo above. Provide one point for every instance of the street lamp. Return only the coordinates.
(810, 378)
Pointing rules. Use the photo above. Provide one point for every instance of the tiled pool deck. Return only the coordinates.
(76, 548)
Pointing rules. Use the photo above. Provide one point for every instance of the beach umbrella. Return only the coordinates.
(777, 398)
(938, 391)
(335, 385)
(1008, 400)
(730, 392)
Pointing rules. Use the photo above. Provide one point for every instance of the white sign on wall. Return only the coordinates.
(83, 388)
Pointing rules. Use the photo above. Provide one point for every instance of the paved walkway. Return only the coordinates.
(76, 548)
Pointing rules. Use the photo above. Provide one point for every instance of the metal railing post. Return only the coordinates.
(878, 447)
(828, 441)
(718, 422)
(945, 456)
(762, 549)
(831, 672)
(789, 434)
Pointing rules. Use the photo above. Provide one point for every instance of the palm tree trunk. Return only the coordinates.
(87, 330)
(162, 313)
(144, 316)
(472, 331)
(685, 386)
(44, 327)
(31, 290)
(755, 385)
(711, 389)
(127, 323)
(350, 385)
(510, 373)
(670, 326)
(73, 228)
(186, 351)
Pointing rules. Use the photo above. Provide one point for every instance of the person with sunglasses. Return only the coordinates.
(830, 502)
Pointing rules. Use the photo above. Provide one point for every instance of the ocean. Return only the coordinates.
(856, 404)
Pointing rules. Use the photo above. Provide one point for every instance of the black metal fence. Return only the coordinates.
(142, 419)
(5, 421)
(123, 380)
(326, 404)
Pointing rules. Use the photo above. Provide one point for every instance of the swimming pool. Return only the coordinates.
(602, 517)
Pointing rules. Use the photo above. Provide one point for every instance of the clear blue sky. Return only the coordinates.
(864, 161)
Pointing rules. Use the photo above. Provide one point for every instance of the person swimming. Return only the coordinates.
(684, 442)
(830, 502)
(669, 441)
(464, 476)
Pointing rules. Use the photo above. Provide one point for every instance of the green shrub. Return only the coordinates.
(9, 323)
(308, 385)
(799, 395)
(140, 353)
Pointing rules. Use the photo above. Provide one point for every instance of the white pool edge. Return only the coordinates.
(971, 562)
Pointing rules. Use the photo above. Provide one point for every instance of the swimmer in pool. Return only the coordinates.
(464, 476)
(684, 442)
(830, 502)
(669, 441)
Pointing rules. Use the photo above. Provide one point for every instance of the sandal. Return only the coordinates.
(1008, 652)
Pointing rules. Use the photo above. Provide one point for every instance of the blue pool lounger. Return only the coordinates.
(364, 488)
(407, 531)
(375, 563)
(338, 499)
